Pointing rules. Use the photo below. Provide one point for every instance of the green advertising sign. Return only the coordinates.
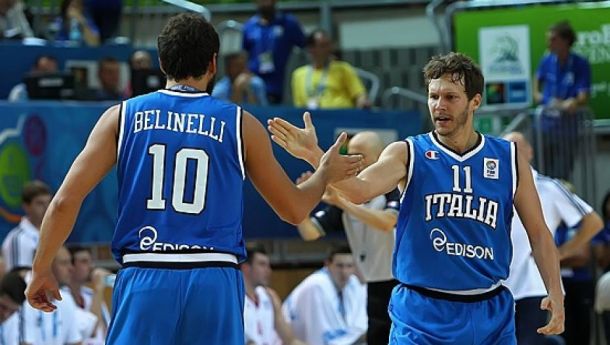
(591, 21)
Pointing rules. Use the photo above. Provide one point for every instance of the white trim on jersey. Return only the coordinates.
(514, 166)
(409, 168)
(238, 129)
(121, 129)
(184, 94)
(469, 292)
(184, 257)
(455, 155)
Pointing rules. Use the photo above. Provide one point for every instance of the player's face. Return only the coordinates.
(62, 266)
(261, 270)
(83, 265)
(36, 209)
(7, 308)
(341, 268)
(555, 43)
(449, 107)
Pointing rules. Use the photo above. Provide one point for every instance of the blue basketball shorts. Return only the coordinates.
(426, 319)
(157, 306)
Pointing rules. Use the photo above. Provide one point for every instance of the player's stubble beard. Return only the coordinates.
(210, 87)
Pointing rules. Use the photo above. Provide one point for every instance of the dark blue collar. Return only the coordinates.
(185, 88)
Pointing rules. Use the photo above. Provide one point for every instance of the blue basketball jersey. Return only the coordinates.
(180, 175)
(453, 230)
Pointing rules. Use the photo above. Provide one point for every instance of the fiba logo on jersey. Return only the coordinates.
(490, 168)
(148, 241)
(432, 154)
(441, 244)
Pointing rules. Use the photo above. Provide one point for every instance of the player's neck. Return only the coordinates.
(251, 293)
(199, 84)
(320, 63)
(460, 142)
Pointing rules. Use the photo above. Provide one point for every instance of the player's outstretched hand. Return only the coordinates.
(42, 290)
(299, 142)
(555, 306)
(337, 167)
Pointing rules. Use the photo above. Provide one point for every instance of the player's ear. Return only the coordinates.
(475, 102)
(212, 65)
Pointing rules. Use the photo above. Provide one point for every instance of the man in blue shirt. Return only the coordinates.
(239, 85)
(269, 38)
(565, 78)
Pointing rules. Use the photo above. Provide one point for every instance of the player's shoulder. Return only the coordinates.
(300, 72)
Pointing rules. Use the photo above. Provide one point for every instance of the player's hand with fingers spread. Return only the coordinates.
(41, 290)
(302, 143)
(554, 304)
(335, 166)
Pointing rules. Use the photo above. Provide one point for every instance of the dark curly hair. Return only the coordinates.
(460, 67)
(187, 45)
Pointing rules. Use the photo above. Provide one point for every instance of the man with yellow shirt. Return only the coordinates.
(326, 83)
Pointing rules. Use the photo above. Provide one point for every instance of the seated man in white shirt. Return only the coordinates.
(87, 298)
(264, 323)
(12, 288)
(67, 324)
(329, 306)
(21, 242)
(558, 205)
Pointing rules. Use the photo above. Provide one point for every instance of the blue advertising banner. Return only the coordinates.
(40, 140)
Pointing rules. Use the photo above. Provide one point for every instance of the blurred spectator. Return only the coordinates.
(264, 323)
(45, 64)
(559, 206)
(13, 23)
(66, 324)
(269, 38)
(106, 15)
(109, 75)
(75, 24)
(139, 61)
(91, 298)
(565, 78)
(370, 232)
(239, 85)
(329, 306)
(326, 83)
(20, 243)
(12, 296)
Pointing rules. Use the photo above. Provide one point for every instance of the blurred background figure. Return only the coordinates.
(75, 24)
(45, 64)
(13, 23)
(329, 306)
(239, 85)
(264, 323)
(109, 76)
(565, 79)
(144, 77)
(21, 242)
(326, 83)
(87, 285)
(269, 38)
(106, 16)
(12, 296)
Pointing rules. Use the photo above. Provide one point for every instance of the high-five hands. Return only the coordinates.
(302, 143)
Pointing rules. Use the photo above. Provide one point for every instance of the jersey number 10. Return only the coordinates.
(201, 158)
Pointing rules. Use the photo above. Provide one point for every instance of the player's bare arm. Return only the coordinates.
(292, 203)
(544, 250)
(379, 178)
(91, 165)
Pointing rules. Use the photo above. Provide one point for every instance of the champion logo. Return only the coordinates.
(432, 154)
